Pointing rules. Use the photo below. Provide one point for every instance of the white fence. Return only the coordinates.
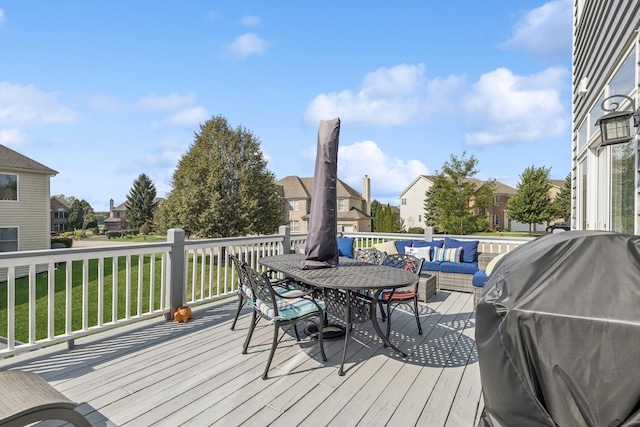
(58, 295)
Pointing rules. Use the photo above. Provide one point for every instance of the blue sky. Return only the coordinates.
(102, 92)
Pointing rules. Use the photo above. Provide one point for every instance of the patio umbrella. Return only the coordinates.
(321, 247)
(558, 334)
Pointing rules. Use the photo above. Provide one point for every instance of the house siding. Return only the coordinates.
(603, 35)
(31, 213)
(415, 197)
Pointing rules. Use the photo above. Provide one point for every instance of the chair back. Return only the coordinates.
(263, 296)
(408, 262)
(370, 255)
(243, 278)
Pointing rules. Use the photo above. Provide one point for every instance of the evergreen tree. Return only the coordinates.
(455, 200)
(140, 202)
(88, 216)
(562, 203)
(222, 187)
(375, 208)
(531, 203)
(76, 215)
(387, 222)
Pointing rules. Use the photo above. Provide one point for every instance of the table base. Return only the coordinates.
(329, 332)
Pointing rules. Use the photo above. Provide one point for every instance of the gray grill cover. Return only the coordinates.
(321, 247)
(558, 333)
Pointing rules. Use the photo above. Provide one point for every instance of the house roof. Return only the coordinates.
(557, 183)
(500, 188)
(13, 160)
(294, 187)
(62, 202)
(352, 214)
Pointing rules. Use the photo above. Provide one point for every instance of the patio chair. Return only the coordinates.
(280, 310)
(393, 297)
(26, 398)
(282, 286)
(370, 255)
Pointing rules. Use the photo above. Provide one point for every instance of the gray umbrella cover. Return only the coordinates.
(321, 248)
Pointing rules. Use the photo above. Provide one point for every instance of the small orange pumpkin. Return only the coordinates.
(182, 314)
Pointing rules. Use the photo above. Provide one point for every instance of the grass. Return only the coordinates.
(41, 307)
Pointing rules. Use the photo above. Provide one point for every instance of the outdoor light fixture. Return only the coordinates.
(614, 126)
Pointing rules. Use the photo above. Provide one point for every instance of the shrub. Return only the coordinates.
(66, 241)
(145, 229)
(113, 234)
(416, 230)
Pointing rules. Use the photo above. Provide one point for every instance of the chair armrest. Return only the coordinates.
(484, 258)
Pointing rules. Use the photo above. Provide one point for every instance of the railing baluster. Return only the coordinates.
(100, 291)
(114, 289)
(51, 288)
(32, 303)
(128, 289)
(152, 279)
(68, 287)
(85, 294)
(11, 308)
(140, 284)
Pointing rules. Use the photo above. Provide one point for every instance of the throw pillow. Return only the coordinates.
(345, 246)
(447, 254)
(469, 248)
(388, 247)
(491, 265)
(424, 253)
(402, 245)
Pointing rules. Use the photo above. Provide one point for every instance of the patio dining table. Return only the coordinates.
(340, 286)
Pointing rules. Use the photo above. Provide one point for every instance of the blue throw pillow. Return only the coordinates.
(401, 245)
(469, 248)
(345, 246)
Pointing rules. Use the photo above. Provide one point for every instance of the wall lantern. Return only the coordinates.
(614, 126)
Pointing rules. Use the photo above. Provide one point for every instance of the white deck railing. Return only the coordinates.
(151, 279)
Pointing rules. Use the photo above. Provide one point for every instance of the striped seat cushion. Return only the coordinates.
(398, 295)
(289, 308)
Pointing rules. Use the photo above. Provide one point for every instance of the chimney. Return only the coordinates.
(110, 207)
(366, 194)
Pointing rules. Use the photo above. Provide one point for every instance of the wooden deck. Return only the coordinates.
(164, 373)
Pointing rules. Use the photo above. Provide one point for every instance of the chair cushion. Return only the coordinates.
(388, 247)
(459, 267)
(469, 248)
(479, 279)
(491, 265)
(398, 295)
(281, 291)
(345, 246)
(431, 265)
(402, 245)
(289, 308)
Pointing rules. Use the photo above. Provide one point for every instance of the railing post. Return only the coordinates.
(285, 230)
(175, 271)
(428, 234)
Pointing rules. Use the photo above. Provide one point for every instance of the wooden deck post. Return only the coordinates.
(175, 272)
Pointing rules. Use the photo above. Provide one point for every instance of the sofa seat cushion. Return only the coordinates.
(459, 267)
(479, 279)
(431, 265)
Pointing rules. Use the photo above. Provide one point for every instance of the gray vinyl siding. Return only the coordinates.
(31, 213)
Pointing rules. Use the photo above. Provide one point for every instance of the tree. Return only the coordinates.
(531, 203)
(140, 202)
(222, 187)
(387, 222)
(81, 216)
(562, 203)
(454, 202)
(376, 206)
(67, 200)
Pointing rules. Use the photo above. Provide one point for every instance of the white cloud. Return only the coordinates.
(2, 16)
(251, 21)
(189, 117)
(389, 176)
(245, 45)
(505, 107)
(27, 106)
(388, 97)
(105, 103)
(544, 32)
(11, 137)
(173, 102)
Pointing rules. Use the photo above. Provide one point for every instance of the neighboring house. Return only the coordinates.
(413, 197)
(606, 51)
(25, 204)
(353, 208)
(59, 215)
(118, 214)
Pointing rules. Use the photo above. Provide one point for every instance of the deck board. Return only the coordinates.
(163, 373)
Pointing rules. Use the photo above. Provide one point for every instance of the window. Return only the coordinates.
(293, 205)
(8, 186)
(403, 201)
(496, 200)
(583, 193)
(595, 113)
(582, 135)
(622, 187)
(496, 219)
(8, 239)
(623, 81)
(293, 226)
(60, 214)
(419, 218)
(341, 205)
